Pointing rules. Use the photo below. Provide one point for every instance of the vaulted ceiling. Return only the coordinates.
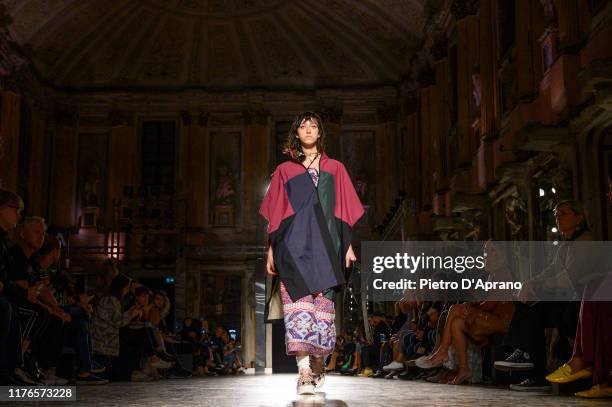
(217, 44)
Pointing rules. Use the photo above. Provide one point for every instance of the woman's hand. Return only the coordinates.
(270, 263)
(350, 256)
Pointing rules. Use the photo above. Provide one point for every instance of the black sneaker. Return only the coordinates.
(518, 360)
(531, 385)
(92, 379)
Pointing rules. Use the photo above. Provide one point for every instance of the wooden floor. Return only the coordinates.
(279, 390)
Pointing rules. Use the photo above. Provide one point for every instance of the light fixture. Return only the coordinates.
(553, 190)
(554, 230)
(542, 193)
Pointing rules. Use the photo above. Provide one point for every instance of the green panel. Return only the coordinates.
(327, 196)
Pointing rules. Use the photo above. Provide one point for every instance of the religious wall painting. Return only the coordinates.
(281, 132)
(92, 178)
(225, 180)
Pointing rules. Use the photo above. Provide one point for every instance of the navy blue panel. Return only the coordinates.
(304, 238)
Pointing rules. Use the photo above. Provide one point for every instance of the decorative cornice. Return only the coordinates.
(121, 118)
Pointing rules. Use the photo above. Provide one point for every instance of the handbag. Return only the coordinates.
(274, 304)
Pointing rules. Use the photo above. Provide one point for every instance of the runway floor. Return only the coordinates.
(338, 391)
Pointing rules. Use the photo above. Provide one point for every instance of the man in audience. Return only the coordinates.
(370, 354)
(42, 324)
(11, 359)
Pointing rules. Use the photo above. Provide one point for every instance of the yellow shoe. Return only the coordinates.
(564, 374)
(367, 372)
(595, 392)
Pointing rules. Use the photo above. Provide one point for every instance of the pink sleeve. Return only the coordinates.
(348, 206)
(275, 206)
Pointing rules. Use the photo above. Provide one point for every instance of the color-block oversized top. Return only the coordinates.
(310, 226)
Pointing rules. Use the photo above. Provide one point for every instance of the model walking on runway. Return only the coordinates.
(311, 207)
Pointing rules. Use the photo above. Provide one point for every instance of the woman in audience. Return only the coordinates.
(471, 322)
(592, 356)
(137, 339)
(109, 318)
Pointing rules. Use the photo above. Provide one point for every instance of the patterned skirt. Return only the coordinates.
(309, 324)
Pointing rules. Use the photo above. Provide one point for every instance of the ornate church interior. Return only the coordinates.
(143, 134)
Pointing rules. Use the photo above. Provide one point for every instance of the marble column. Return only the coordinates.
(530, 25)
(193, 167)
(487, 85)
(9, 139)
(198, 175)
(465, 12)
(255, 163)
(63, 180)
(387, 157)
(440, 126)
(122, 165)
(257, 149)
(39, 165)
(568, 14)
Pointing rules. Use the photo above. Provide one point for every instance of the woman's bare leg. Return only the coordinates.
(332, 362)
(460, 341)
(441, 353)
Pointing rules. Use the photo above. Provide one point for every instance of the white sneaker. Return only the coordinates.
(157, 363)
(139, 376)
(52, 380)
(318, 380)
(23, 376)
(393, 366)
(424, 362)
(305, 383)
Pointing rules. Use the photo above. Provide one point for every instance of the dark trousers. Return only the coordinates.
(594, 339)
(43, 330)
(10, 338)
(527, 329)
(135, 344)
(79, 334)
(370, 355)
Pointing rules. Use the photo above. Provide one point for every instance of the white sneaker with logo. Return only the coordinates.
(305, 382)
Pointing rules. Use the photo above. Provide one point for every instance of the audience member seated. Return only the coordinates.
(591, 356)
(527, 335)
(11, 356)
(42, 323)
(370, 353)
